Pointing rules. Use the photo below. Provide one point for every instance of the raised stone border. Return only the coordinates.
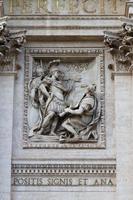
(32, 53)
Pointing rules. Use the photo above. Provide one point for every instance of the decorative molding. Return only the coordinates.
(120, 45)
(88, 175)
(64, 169)
(66, 27)
(64, 17)
(63, 52)
(10, 44)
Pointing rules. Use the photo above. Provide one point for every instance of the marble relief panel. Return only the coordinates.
(64, 103)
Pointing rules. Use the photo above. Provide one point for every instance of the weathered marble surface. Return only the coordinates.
(124, 131)
(6, 128)
(61, 195)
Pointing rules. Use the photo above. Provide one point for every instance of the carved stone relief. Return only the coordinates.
(120, 45)
(64, 105)
(10, 45)
(50, 97)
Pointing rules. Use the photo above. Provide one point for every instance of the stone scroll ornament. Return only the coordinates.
(10, 42)
(57, 119)
(120, 45)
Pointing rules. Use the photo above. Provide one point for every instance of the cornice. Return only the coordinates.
(64, 17)
(73, 27)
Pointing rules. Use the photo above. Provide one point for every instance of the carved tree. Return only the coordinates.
(120, 45)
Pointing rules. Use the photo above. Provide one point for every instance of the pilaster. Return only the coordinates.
(120, 45)
(9, 49)
(6, 110)
(124, 131)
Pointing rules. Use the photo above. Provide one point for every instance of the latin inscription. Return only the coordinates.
(64, 7)
(74, 181)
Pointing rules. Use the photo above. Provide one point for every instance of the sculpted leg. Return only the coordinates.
(69, 128)
(47, 119)
(46, 122)
(54, 125)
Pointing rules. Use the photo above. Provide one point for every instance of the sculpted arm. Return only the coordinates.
(64, 89)
(44, 90)
(47, 80)
(78, 111)
(61, 87)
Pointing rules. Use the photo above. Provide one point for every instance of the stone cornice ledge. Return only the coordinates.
(8, 73)
(121, 74)
(66, 25)
(64, 17)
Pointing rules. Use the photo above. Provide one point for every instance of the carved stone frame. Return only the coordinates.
(75, 52)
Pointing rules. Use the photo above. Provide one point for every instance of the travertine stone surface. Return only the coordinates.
(123, 85)
(6, 128)
(32, 154)
(124, 131)
(62, 195)
(71, 31)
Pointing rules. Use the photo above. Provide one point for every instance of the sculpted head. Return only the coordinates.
(54, 70)
(91, 89)
(57, 74)
(40, 71)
